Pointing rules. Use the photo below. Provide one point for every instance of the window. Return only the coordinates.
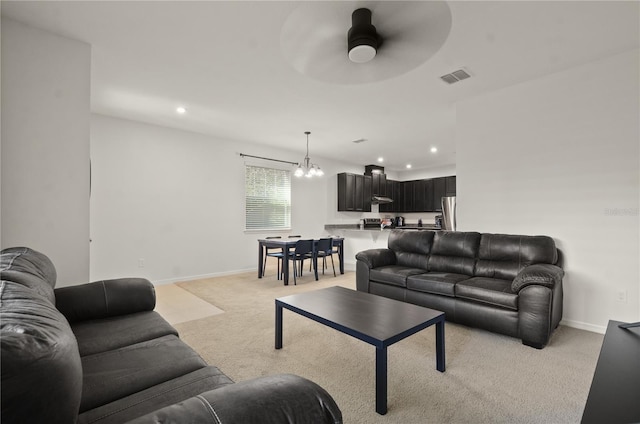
(267, 198)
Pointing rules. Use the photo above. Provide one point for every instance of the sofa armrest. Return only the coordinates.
(107, 298)
(374, 258)
(539, 274)
(369, 259)
(267, 400)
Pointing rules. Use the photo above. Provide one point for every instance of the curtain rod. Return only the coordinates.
(274, 160)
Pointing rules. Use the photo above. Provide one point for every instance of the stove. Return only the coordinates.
(372, 222)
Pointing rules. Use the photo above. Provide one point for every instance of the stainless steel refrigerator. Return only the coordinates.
(449, 213)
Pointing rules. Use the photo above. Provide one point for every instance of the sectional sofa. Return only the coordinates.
(98, 353)
(508, 284)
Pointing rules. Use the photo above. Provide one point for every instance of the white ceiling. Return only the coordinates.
(230, 65)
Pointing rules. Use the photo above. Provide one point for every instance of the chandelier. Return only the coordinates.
(307, 168)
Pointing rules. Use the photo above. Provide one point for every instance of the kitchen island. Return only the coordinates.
(356, 227)
(356, 240)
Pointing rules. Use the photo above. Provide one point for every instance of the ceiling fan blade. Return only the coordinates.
(314, 39)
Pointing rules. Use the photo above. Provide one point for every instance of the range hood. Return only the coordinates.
(380, 200)
(376, 199)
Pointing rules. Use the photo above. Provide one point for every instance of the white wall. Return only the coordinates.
(433, 172)
(559, 156)
(176, 200)
(45, 147)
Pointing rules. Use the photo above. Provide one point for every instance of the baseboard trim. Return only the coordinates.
(584, 326)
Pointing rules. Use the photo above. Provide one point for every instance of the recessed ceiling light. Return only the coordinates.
(181, 110)
(408, 166)
(380, 159)
(434, 149)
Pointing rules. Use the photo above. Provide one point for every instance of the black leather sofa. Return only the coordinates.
(508, 284)
(98, 353)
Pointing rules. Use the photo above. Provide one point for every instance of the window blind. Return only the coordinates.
(267, 198)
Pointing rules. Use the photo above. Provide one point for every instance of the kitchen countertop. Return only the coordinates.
(355, 227)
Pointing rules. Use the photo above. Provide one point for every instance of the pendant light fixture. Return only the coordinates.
(307, 168)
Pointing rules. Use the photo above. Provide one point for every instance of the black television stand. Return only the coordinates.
(613, 396)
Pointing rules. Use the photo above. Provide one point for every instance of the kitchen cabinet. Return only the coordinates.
(358, 202)
(439, 191)
(346, 192)
(378, 184)
(429, 205)
(419, 195)
(407, 200)
(419, 198)
(398, 196)
(366, 199)
(389, 192)
(354, 192)
(450, 186)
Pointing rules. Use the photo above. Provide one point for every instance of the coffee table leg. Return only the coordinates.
(278, 326)
(381, 380)
(440, 360)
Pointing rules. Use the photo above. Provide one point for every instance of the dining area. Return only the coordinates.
(297, 249)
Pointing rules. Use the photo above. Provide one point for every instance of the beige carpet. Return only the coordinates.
(489, 378)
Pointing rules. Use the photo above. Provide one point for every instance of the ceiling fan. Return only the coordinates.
(362, 42)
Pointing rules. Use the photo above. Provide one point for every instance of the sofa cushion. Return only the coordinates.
(118, 373)
(492, 291)
(504, 255)
(393, 274)
(161, 395)
(30, 268)
(41, 369)
(411, 247)
(454, 252)
(435, 282)
(122, 331)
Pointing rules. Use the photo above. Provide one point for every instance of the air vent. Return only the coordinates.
(455, 76)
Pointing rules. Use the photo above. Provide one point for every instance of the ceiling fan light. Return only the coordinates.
(362, 53)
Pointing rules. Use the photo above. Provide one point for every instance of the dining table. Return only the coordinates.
(288, 243)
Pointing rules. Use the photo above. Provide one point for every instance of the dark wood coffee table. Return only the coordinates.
(373, 319)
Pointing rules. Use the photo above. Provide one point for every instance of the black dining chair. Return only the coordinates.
(293, 236)
(274, 252)
(324, 248)
(299, 254)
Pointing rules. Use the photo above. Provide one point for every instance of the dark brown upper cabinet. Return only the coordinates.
(354, 192)
(378, 184)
